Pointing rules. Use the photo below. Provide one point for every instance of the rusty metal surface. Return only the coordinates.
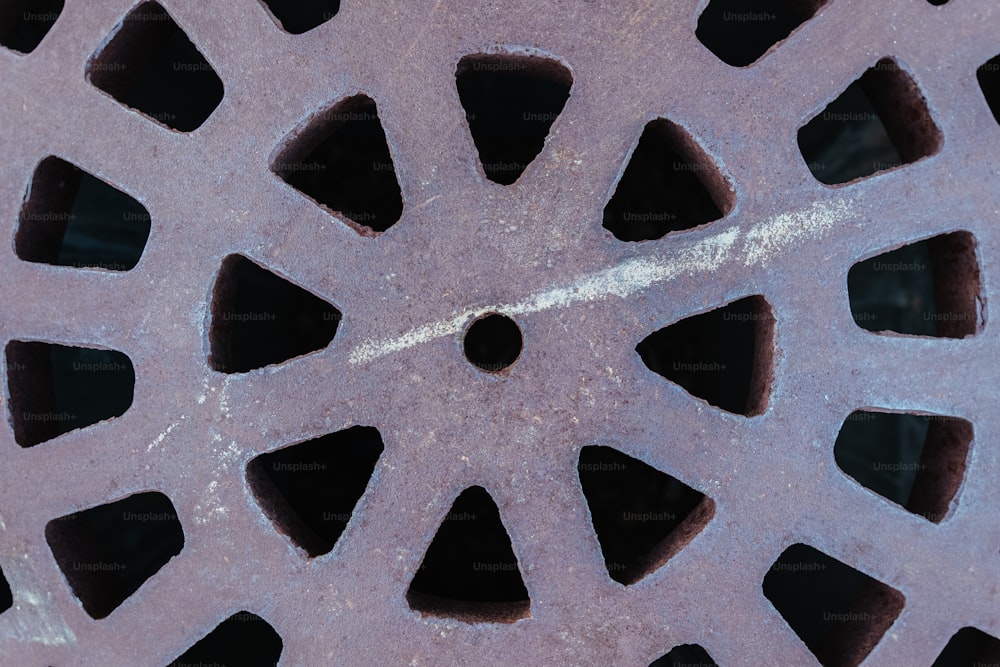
(582, 298)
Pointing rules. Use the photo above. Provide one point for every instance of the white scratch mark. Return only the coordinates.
(760, 244)
(160, 437)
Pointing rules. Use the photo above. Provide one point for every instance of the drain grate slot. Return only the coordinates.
(970, 647)
(55, 389)
(493, 343)
(723, 357)
(740, 32)
(243, 639)
(107, 552)
(470, 572)
(341, 161)
(71, 218)
(988, 76)
(299, 16)
(309, 490)
(259, 319)
(838, 612)
(916, 461)
(928, 288)
(510, 103)
(669, 185)
(25, 23)
(642, 517)
(685, 655)
(152, 66)
(879, 122)
(6, 595)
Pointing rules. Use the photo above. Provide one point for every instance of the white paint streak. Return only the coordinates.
(160, 437)
(230, 455)
(211, 506)
(760, 244)
(787, 230)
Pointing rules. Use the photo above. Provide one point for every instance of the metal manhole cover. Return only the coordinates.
(499, 333)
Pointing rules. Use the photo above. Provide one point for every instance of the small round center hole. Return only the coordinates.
(493, 343)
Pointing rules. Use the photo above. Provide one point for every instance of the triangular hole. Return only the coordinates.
(879, 122)
(109, 551)
(72, 218)
(470, 572)
(6, 595)
(259, 319)
(723, 357)
(642, 516)
(55, 389)
(670, 184)
(685, 655)
(24, 23)
(151, 65)
(510, 103)
(739, 32)
(341, 160)
(241, 639)
(970, 646)
(300, 16)
(838, 612)
(309, 490)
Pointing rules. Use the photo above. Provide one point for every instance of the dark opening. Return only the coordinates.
(259, 319)
(510, 104)
(739, 32)
(928, 288)
(938, 3)
(153, 67)
(879, 122)
(642, 517)
(70, 218)
(839, 613)
(6, 595)
(24, 23)
(970, 647)
(299, 16)
(917, 461)
(670, 184)
(493, 343)
(685, 655)
(56, 388)
(470, 571)
(309, 490)
(243, 639)
(988, 75)
(723, 356)
(342, 162)
(107, 552)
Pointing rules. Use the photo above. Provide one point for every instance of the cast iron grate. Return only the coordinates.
(314, 160)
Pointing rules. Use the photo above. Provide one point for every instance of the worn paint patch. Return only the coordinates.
(34, 617)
